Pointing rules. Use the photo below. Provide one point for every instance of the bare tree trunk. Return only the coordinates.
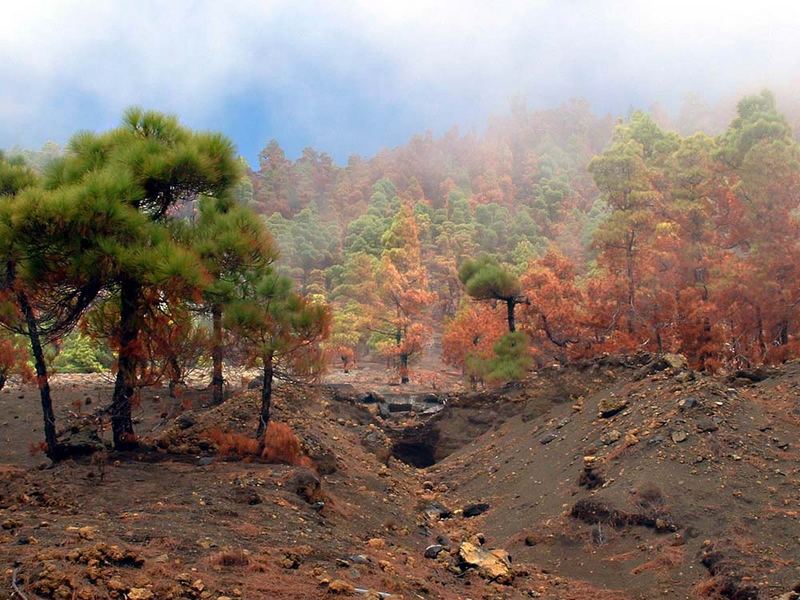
(404, 368)
(631, 285)
(266, 399)
(511, 304)
(53, 450)
(121, 422)
(217, 380)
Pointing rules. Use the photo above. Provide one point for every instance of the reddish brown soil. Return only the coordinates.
(202, 526)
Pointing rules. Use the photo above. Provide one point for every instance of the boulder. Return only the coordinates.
(706, 425)
(82, 439)
(676, 362)
(473, 510)
(610, 406)
(494, 565)
(306, 484)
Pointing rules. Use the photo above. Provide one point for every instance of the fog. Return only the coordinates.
(353, 77)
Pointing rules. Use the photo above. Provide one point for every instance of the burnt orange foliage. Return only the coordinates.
(281, 445)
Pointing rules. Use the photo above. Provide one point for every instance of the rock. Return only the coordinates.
(706, 425)
(371, 397)
(679, 436)
(435, 510)
(359, 559)
(140, 594)
(205, 461)
(256, 383)
(246, 495)
(434, 550)
(339, 586)
(377, 442)
(610, 437)
(185, 421)
(548, 437)
(676, 362)
(473, 510)
(610, 406)
(494, 565)
(306, 484)
(427, 485)
(530, 540)
(689, 402)
(83, 439)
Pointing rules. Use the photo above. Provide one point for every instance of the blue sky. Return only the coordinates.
(353, 77)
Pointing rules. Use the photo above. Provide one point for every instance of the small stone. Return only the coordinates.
(338, 586)
(706, 425)
(548, 437)
(473, 510)
(434, 550)
(608, 407)
(679, 436)
(140, 594)
(610, 437)
(689, 402)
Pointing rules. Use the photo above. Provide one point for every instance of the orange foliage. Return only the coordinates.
(280, 445)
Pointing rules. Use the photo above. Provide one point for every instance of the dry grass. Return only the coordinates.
(230, 558)
(281, 445)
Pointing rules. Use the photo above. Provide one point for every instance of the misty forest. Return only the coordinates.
(554, 356)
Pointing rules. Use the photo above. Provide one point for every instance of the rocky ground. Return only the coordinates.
(632, 478)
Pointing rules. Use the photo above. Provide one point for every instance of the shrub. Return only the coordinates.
(80, 354)
(281, 445)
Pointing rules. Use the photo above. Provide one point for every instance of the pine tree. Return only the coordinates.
(281, 330)
(233, 243)
(485, 279)
(159, 168)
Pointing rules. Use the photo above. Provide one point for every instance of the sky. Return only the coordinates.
(356, 76)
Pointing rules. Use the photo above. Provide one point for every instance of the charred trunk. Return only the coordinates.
(266, 400)
(404, 368)
(53, 449)
(511, 304)
(217, 380)
(121, 422)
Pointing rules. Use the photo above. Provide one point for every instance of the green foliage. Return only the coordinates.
(485, 279)
(82, 354)
(511, 359)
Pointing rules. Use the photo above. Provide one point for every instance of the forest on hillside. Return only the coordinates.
(608, 237)
(555, 235)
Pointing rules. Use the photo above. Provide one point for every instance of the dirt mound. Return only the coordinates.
(629, 486)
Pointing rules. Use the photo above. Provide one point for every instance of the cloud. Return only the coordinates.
(356, 75)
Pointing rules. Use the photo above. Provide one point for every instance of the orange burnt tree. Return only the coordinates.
(279, 329)
(555, 317)
(469, 339)
(403, 291)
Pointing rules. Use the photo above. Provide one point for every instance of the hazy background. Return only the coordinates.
(357, 76)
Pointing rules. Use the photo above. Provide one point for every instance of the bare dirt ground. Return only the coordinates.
(690, 490)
